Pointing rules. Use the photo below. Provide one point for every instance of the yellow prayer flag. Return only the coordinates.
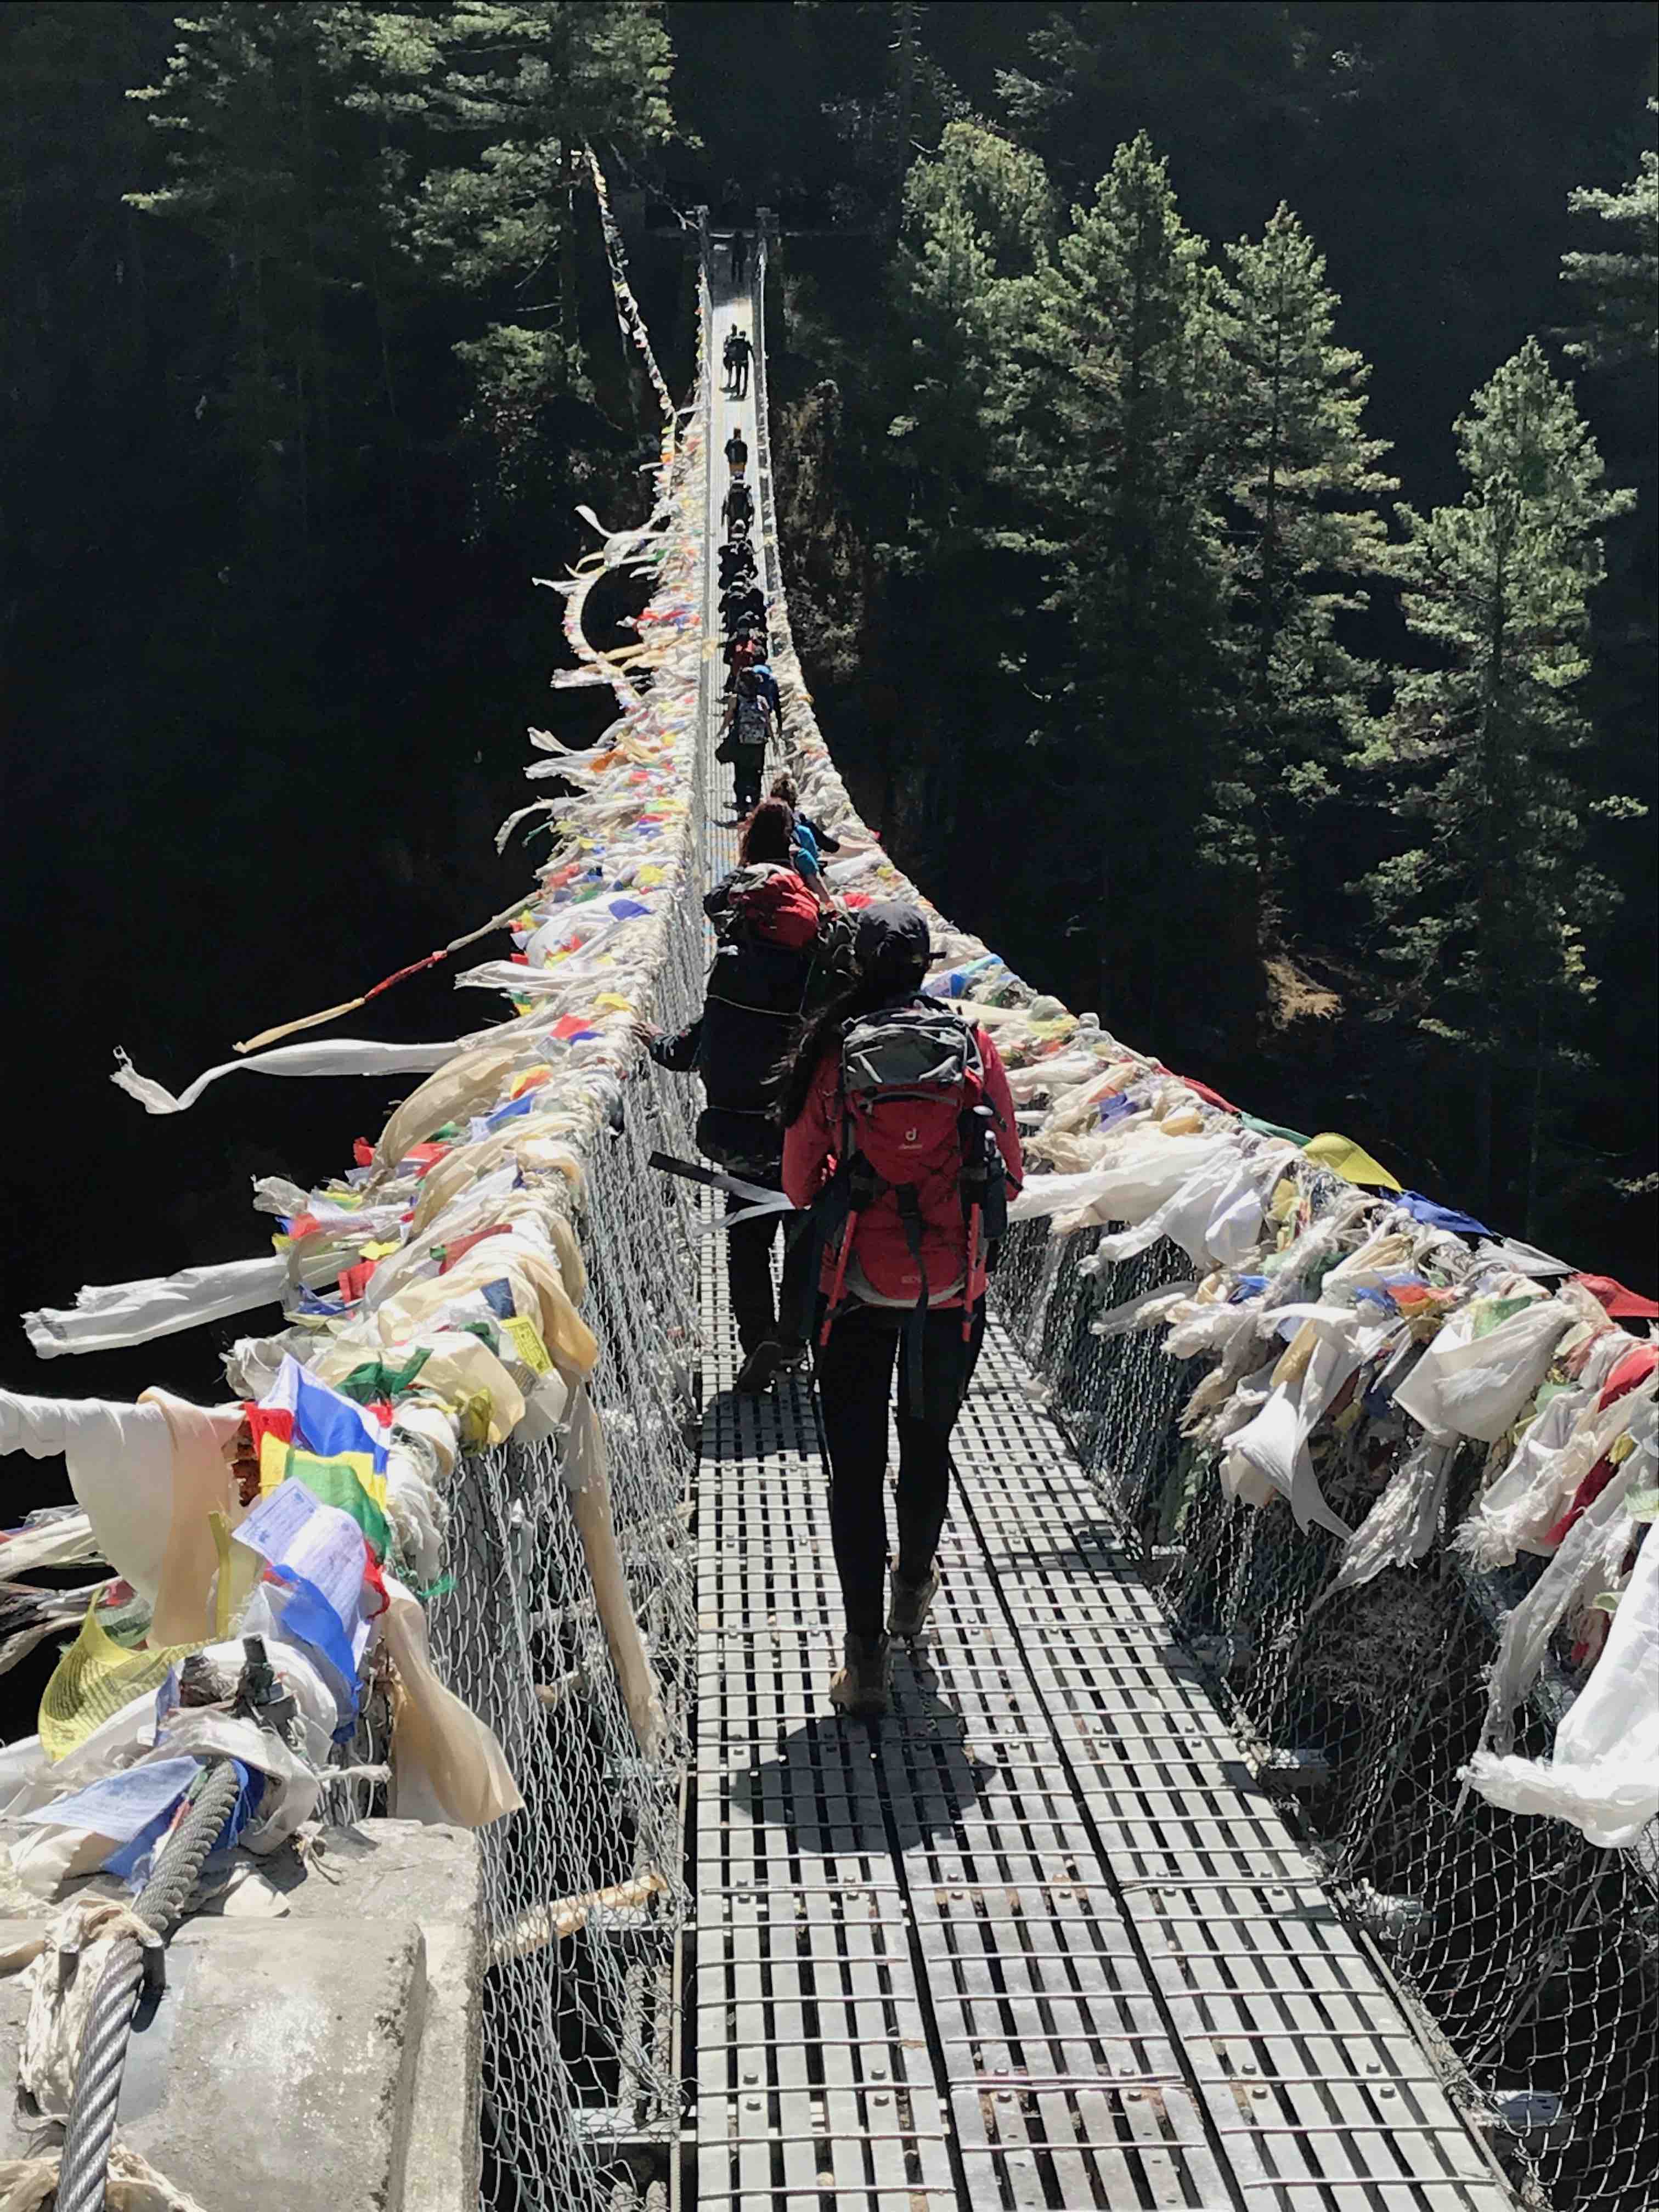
(1349, 1160)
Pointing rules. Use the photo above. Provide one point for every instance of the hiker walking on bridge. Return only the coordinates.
(900, 1135)
(811, 840)
(768, 927)
(736, 452)
(746, 734)
(738, 351)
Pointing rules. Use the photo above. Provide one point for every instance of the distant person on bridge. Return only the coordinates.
(739, 257)
(746, 648)
(745, 602)
(811, 840)
(739, 351)
(745, 735)
(736, 556)
(737, 505)
(900, 1134)
(737, 453)
(769, 929)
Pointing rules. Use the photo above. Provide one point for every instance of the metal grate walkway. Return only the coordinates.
(1034, 1940)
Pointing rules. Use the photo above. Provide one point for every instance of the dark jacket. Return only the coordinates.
(745, 602)
(757, 994)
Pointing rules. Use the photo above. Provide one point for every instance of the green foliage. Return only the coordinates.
(1111, 423)
(1621, 282)
(329, 150)
(977, 220)
(1484, 917)
(1303, 480)
(496, 102)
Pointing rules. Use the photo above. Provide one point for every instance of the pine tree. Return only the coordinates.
(250, 169)
(494, 102)
(976, 223)
(977, 215)
(1622, 282)
(1303, 479)
(1486, 917)
(1111, 415)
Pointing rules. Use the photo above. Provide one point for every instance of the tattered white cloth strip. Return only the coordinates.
(1556, 1450)
(1146, 1311)
(107, 1316)
(27, 2185)
(58, 1537)
(1400, 1527)
(336, 1056)
(1271, 1452)
(1586, 1559)
(1603, 1775)
(62, 1983)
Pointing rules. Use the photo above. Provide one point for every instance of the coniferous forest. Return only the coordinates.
(1216, 449)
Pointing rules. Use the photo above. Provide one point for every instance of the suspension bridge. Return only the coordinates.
(1039, 1938)
(1160, 1887)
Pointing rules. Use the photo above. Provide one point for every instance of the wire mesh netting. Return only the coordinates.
(1532, 1954)
(580, 2091)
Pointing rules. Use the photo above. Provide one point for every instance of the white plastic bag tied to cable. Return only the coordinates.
(1466, 1385)
(1585, 1562)
(447, 1764)
(1603, 1772)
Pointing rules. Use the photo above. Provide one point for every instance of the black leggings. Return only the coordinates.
(748, 1273)
(855, 1375)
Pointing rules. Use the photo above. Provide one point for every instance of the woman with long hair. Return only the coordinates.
(897, 1125)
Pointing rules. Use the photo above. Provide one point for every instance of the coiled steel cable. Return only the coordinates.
(83, 2174)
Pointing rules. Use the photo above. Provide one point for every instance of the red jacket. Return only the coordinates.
(881, 1259)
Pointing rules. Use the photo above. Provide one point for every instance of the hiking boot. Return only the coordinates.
(907, 1616)
(859, 1688)
(760, 1370)
(793, 1357)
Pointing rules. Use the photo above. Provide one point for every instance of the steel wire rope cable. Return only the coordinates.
(83, 2172)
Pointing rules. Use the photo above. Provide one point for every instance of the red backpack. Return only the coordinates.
(770, 904)
(908, 1075)
(913, 1126)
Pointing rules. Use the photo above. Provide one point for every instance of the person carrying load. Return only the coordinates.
(899, 1136)
(811, 840)
(745, 736)
(737, 454)
(770, 954)
(737, 505)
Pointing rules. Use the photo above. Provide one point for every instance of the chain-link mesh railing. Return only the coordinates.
(581, 2092)
(1532, 1954)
